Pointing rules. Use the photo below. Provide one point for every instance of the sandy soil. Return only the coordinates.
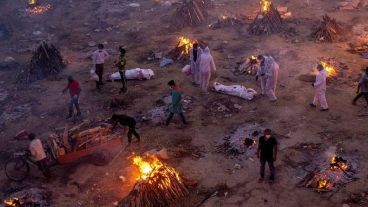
(71, 25)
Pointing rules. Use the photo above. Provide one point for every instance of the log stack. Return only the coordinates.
(266, 22)
(162, 188)
(46, 61)
(328, 30)
(191, 13)
(361, 49)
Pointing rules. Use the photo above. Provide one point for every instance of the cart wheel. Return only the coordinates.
(17, 169)
(100, 158)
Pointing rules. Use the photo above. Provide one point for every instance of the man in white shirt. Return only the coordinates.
(38, 154)
(320, 89)
(98, 57)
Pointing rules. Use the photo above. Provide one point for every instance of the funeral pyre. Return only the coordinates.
(36, 8)
(226, 21)
(192, 13)
(334, 68)
(249, 66)
(268, 20)
(361, 49)
(243, 141)
(338, 171)
(157, 184)
(46, 61)
(28, 198)
(328, 30)
(182, 49)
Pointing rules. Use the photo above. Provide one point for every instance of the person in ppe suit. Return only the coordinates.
(268, 73)
(206, 67)
(195, 55)
(320, 89)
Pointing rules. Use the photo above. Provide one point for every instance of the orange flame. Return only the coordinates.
(331, 71)
(265, 5)
(31, 2)
(186, 43)
(337, 164)
(38, 9)
(13, 202)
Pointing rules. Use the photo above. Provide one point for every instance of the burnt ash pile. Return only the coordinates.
(29, 198)
(192, 13)
(243, 141)
(267, 22)
(328, 30)
(225, 21)
(46, 61)
(361, 49)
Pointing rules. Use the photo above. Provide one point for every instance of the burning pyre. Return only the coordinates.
(328, 30)
(268, 20)
(248, 67)
(330, 68)
(182, 49)
(157, 184)
(35, 8)
(225, 21)
(338, 172)
(13, 202)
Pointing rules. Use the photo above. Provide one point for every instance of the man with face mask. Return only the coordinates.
(206, 67)
(267, 152)
(269, 72)
(320, 89)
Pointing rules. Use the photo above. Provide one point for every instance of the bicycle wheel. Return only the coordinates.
(17, 169)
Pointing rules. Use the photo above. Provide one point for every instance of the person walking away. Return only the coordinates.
(38, 154)
(206, 67)
(267, 152)
(270, 71)
(98, 57)
(74, 91)
(195, 55)
(320, 89)
(176, 106)
(121, 66)
(261, 73)
(362, 89)
(126, 121)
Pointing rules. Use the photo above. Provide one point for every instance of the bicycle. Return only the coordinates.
(18, 167)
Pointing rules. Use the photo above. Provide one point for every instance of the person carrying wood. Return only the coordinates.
(126, 121)
(98, 57)
(74, 91)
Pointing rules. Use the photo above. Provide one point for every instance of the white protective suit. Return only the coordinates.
(271, 76)
(206, 67)
(320, 89)
(194, 66)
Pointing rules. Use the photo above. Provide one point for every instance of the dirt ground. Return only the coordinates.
(74, 25)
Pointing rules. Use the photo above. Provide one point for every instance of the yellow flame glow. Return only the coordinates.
(12, 202)
(265, 5)
(186, 43)
(31, 2)
(329, 68)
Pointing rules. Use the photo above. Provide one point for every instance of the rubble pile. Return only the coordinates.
(46, 61)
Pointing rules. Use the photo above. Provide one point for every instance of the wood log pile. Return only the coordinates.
(162, 189)
(46, 61)
(178, 53)
(80, 137)
(328, 30)
(269, 22)
(191, 13)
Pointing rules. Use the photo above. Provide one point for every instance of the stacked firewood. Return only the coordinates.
(225, 21)
(328, 30)
(46, 61)
(161, 189)
(359, 49)
(191, 13)
(269, 22)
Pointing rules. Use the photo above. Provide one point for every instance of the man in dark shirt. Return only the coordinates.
(267, 152)
(126, 121)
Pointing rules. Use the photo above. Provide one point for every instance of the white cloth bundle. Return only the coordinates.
(186, 70)
(235, 90)
(131, 74)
